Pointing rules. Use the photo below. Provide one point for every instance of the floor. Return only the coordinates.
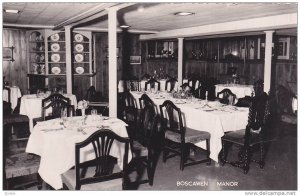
(279, 173)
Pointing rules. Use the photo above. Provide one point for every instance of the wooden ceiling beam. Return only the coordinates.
(248, 25)
(91, 14)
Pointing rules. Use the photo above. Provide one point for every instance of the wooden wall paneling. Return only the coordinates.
(81, 85)
(57, 82)
(16, 72)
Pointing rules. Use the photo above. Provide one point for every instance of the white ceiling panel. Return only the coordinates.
(148, 16)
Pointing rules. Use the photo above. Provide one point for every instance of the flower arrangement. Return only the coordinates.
(83, 104)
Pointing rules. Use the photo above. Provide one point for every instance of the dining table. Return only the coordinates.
(240, 90)
(203, 115)
(15, 94)
(54, 141)
(31, 105)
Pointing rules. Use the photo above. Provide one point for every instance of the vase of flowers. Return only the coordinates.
(83, 105)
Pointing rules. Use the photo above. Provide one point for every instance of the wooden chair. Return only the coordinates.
(17, 165)
(259, 87)
(146, 77)
(16, 162)
(144, 145)
(172, 82)
(8, 93)
(195, 81)
(227, 96)
(95, 102)
(102, 172)
(255, 134)
(178, 138)
(152, 82)
(15, 121)
(58, 103)
(145, 100)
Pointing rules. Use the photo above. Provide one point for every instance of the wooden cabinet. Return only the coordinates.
(47, 57)
(56, 53)
(36, 49)
(83, 53)
(162, 49)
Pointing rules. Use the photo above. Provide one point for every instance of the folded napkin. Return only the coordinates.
(47, 128)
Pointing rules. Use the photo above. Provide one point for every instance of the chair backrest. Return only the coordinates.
(91, 94)
(54, 97)
(58, 103)
(258, 115)
(259, 87)
(129, 100)
(8, 93)
(102, 141)
(145, 77)
(226, 96)
(145, 100)
(148, 126)
(171, 118)
(152, 83)
(196, 82)
(172, 82)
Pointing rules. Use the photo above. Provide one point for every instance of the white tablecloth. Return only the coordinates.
(15, 93)
(238, 89)
(57, 147)
(215, 122)
(31, 106)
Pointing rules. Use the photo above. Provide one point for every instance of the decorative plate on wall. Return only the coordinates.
(78, 38)
(55, 70)
(79, 70)
(55, 57)
(78, 57)
(55, 47)
(55, 37)
(79, 47)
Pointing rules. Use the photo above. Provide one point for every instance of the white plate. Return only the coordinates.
(42, 58)
(55, 37)
(55, 57)
(55, 70)
(78, 38)
(79, 70)
(78, 57)
(79, 47)
(55, 47)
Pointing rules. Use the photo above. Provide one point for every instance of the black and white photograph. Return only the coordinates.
(149, 96)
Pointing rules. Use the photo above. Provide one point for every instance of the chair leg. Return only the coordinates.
(208, 151)
(261, 161)
(182, 157)
(164, 152)
(224, 154)
(150, 167)
(247, 160)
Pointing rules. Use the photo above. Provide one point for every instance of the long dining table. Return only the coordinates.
(202, 115)
(54, 141)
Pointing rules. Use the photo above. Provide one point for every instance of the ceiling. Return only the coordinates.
(151, 17)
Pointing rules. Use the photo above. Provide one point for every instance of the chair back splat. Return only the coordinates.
(152, 82)
(58, 103)
(103, 163)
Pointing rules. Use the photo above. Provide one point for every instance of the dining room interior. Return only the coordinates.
(149, 96)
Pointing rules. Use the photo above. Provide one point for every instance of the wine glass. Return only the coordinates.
(63, 115)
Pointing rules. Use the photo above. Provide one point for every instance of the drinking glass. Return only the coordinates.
(63, 115)
(94, 112)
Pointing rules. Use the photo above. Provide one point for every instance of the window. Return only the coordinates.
(284, 48)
